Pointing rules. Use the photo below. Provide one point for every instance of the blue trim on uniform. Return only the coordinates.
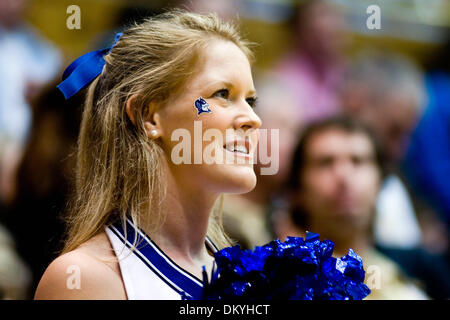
(158, 259)
(180, 269)
(129, 246)
(211, 245)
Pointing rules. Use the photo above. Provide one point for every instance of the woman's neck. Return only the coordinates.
(186, 215)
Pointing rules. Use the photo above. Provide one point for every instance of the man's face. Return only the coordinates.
(340, 179)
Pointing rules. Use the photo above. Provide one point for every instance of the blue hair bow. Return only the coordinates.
(83, 70)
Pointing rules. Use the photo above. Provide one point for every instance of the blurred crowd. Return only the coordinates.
(364, 149)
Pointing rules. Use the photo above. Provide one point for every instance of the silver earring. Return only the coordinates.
(154, 133)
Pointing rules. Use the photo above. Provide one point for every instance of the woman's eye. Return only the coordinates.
(252, 101)
(223, 93)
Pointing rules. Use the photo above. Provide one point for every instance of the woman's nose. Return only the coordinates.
(247, 118)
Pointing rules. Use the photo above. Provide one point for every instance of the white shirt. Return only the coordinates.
(147, 272)
(395, 222)
(24, 57)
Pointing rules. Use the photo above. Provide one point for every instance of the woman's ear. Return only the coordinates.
(130, 108)
(152, 123)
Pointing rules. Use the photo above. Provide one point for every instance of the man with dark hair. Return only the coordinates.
(335, 179)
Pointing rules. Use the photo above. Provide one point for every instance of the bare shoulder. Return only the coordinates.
(88, 272)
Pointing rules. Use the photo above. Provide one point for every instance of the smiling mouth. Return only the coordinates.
(237, 149)
(240, 147)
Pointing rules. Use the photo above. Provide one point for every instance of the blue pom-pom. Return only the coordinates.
(296, 269)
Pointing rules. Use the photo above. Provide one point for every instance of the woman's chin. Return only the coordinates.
(238, 179)
(221, 178)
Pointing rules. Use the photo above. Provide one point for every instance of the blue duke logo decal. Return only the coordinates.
(202, 106)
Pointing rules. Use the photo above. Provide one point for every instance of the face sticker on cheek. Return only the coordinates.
(201, 106)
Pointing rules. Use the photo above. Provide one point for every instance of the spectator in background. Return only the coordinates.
(35, 218)
(334, 183)
(386, 92)
(15, 276)
(427, 163)
(313, 67)
(27, 62)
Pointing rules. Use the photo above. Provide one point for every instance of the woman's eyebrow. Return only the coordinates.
(229, 85)
(222, 83)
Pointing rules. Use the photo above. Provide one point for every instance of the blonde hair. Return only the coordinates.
(119, 169)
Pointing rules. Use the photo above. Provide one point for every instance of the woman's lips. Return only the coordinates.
(239, 148)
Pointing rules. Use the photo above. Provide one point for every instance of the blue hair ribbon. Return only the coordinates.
(84, 70)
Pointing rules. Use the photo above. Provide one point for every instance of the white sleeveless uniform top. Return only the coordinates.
(147, 272)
